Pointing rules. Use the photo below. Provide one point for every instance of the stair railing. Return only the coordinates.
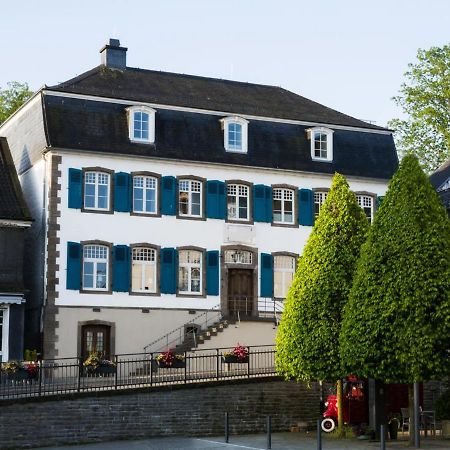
(178, 335)
(270, 308)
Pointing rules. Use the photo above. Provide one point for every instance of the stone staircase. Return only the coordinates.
(193, 340)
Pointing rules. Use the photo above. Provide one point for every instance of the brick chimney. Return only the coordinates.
(113, 55)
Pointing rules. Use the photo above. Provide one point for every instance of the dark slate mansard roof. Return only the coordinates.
(102, 126)
(12, 203)
(440, 175)
(438, 178)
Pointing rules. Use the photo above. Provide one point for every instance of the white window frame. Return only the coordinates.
(283, 208)
(319, 199)
(225, 123)
(312, 132)
(238, 257)
(145, 263)
(283, 270)
(96, 184)
(144, 194)
(189, 191)
(132, 110)
(237, 195)
(444, 186)
(95, 262)
(366, 201)
(189, 266)
(4, 349)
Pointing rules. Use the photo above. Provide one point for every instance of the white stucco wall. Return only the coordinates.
(135, 329)
(168, 231)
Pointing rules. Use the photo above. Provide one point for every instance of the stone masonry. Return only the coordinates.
(194, 410)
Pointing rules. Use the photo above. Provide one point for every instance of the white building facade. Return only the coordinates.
(158, 207)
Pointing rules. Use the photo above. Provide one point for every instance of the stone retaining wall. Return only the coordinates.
(194, 410)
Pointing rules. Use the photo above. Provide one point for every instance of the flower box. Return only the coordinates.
(233, 359)
(100, 370)
(21, 374)
(176, 364)
(170, 360)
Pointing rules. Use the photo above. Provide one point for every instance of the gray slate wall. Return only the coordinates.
(187, 411)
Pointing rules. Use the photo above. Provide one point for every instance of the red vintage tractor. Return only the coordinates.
(354, 405)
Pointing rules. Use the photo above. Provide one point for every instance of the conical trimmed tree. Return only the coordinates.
(307, 342)
(396, 325)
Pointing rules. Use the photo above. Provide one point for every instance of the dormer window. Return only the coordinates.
(321, 143)
(234, 134)
(141, 124)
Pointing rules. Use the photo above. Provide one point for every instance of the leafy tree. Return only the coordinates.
(396, 324)
(12, 98)
(425, 99)
(307, 338)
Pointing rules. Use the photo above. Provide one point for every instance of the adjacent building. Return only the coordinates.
(440, 179)
(14, 220)
(158, 196)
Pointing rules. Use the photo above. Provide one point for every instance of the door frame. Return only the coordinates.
(224, 267)
(112, 335)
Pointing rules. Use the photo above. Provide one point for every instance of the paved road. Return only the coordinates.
(280, 441)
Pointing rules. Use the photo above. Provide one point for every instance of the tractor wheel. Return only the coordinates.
(328, 425)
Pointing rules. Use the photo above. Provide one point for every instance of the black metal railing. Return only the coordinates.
(244, 306)
(182, 333)
(69, 375)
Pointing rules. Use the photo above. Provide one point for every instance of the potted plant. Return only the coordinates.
(20, 370)
(170, 360)
(239, 354)
(442, 407)
(95, 364)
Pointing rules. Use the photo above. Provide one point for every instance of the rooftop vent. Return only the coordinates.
(113, 55)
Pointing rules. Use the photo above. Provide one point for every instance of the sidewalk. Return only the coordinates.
(280, 441)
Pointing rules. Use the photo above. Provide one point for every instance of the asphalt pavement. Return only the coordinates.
(280, 441)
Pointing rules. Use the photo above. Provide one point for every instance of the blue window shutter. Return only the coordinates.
(259, 206)
(306, 207)
(262, 203)
(73, 266)
(215, 199)
(75, 188)
(122, 194)
(169, 263)
(121, 268)
(222, 200)
(169, 196)
(269, 213)
(212, 272)
(266, 275)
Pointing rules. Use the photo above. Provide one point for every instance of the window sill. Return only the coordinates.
(321, 159)
(145, 214)
(191, 294)
(95, 291)
(190, 217)
(142, 141)
(145, 294)
(229, 150)
(285, 225)
(97, 211)
(240, 222)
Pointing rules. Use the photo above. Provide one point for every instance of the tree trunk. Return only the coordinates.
(340, 405)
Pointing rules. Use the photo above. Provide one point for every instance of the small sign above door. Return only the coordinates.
(237, 233)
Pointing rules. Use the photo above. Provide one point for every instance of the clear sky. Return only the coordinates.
(347, 54)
